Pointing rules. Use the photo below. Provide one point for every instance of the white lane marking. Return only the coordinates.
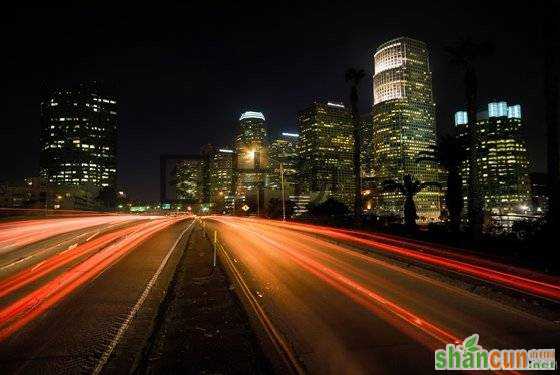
(93, 235)
(16, 262)
(38, 265)
(107, 353)
(41, 251)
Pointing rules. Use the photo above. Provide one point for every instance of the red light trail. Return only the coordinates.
(57, 261)
(352, 289)
(315, 290)
(21, 233)
(100, 252)
(531, 282)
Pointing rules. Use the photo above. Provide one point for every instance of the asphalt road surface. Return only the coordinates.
(338, 310)
(79, 295)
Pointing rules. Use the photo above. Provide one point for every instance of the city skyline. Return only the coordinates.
(179, 119)
(309, 188)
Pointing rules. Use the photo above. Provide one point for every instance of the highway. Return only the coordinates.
(80, 294)
(334, 309)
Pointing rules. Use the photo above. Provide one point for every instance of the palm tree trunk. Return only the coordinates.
(474, 198)
(454, 198)
(410, 213)
(357, 163)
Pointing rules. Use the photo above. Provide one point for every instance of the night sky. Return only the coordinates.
(184, 74)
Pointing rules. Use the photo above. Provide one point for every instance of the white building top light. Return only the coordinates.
(251, 114)
(499, 109)
(461, 118)
(290, 135)
(337, 105)
(398, 44)
(514, 111)
(226, 151)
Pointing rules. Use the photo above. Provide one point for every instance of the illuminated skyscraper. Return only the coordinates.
(326, 147)
(79, 136)
(251, 143)
(404, 131)
(503, 162)
(189, 179)
(283, 150)
(251, 149)
(206, 179)
(221, 173)
(181, 178)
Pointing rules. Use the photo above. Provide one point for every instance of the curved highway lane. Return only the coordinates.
(344, 311)
(85, 302)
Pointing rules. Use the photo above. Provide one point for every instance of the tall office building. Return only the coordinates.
(190, 179)
(206, 178)
(503, 162)
(366, 134)
(326, 147)
(79, 136)
(181, 178)
(284, 151)
(221, 172)
(251, 148)
(404, 130)
(222, 179)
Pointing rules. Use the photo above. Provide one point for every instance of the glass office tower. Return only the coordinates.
(326, 149)
(79, 136)
(404, 130)
(502, 160)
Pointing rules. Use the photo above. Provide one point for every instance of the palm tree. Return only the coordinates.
(409, 187)
(450, 153)
(464, 54)
(353, 77)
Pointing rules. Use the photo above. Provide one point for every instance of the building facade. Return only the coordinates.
(79, 136)
(205, 181)
(404, 131)
(284, 152)
(539, 192)
(326, 148)
(222, 179)
(502, 158)
(190, 179)
(35, 193)
(251, 149)
(172, 190)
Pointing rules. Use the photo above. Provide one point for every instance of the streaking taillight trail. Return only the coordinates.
(530, 282)
(22, 311)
